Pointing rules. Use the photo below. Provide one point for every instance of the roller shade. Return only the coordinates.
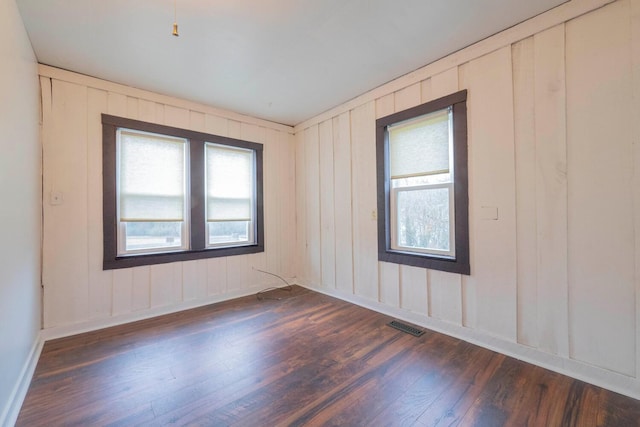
(420, 146)
(230, 173)
(152, 177)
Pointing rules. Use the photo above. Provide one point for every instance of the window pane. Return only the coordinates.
(420, 146)
(152, 235)
(152, 177)
(228, 232)
(230, 178)
(423, 219)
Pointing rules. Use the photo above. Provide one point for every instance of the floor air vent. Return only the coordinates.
(405, 328)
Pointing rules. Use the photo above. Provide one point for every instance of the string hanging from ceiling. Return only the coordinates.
(175, 20)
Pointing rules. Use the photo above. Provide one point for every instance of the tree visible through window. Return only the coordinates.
(422, 185)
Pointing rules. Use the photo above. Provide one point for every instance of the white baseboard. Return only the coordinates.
(614, 381)
(107, 322)
(9, 414)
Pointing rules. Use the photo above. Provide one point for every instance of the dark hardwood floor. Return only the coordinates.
(307, 359)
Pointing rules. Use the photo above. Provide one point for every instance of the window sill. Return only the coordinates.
(426, 261)
(167, 257)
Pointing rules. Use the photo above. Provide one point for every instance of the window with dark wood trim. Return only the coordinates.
(422, 180)
(202, 208)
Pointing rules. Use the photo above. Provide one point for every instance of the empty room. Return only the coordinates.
(353, 213)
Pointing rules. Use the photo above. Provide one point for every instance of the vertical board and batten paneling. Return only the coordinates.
(312, 193)
(445, 289)
(365, 237)
(327, 213)
(270, 182)
(551, 190)
(525, 158)
(490, 103)
(140, 288)
(284, 198)
(216, 125)
(216, 276)
(408, 97)
(541, 164)
(388, 273)
(389, 283)
(162, 289)
(343, 202)
(385, 105)
(194, 280)
(414, 294)
(147, 111)
(601, 265)
(301, 208)
(100, 282)
(256, 264)
(77, 290)
(66, 223)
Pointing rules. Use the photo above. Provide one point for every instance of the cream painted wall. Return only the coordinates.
(20, 209)
(78, 294)
(553, 130)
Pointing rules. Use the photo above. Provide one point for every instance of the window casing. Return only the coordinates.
(171, 194)
(422, 186)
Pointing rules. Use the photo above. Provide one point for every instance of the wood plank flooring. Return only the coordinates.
(307, 359)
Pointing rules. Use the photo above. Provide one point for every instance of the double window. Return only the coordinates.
(422, 186)
(173, 195)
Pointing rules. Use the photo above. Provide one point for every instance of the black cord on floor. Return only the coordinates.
(260, 295)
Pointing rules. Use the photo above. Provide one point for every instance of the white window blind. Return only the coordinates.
(152, 177)
(420, 146)
(230, 173)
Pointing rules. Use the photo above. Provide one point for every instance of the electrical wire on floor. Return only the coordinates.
(261, 295)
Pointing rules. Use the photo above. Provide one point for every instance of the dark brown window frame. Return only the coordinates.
(197, 224)
(460, 264)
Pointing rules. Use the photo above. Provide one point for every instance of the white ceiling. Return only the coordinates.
(281, 60)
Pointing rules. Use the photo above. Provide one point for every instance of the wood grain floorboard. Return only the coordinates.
(307, 359)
